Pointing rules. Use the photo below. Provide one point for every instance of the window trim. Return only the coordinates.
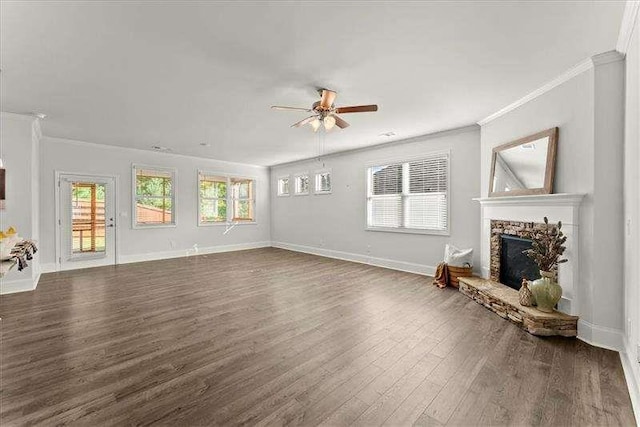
(134, 196)
(278, 186)
(295, 186)
(315, 181)
(408, 159)
(228, 221)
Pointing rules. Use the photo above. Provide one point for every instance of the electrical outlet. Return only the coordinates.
(172, 243)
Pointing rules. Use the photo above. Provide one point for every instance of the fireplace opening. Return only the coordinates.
(514, 265)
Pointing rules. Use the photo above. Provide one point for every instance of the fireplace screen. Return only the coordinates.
(514, 265)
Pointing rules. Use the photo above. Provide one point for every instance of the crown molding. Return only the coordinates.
(419, 138)
(56, 139)
(607, 57)
(629, 19)
(594, 61)
(20, 116)
(580, 68)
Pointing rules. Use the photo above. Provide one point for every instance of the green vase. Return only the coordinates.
(546, 291)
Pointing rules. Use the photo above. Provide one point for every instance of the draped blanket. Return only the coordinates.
(441, 278)
(22, 252)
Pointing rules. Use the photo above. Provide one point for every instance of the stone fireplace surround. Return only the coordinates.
(525, 230)
(522, 215)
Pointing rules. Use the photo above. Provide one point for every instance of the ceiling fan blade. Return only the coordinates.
(357, 109)
(340, 123)
(280, 107)
(303, 122)
(326, 101)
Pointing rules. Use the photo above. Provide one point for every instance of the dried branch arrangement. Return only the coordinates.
(548, 247)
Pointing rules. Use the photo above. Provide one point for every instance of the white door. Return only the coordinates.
(86, 221)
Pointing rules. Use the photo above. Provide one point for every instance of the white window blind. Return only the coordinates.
(410, 195)
(283, 186)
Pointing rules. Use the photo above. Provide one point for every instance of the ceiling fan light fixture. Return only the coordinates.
(315, 124)
(329, 122)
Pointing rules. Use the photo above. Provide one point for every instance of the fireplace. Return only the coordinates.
(520, 216)
(508, 265)
(514, 264)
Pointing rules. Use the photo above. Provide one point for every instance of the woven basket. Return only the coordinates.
(455, 272)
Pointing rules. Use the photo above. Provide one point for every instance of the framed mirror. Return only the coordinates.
(525, 166)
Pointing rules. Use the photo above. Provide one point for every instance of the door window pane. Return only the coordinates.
(87, 217)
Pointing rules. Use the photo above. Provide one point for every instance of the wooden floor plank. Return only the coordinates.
(273, 337)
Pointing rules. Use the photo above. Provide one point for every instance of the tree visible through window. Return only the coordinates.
(213, 198)
(302, 184)
(88, 217)
(323, 182)
(283, 186)
(224, 199)
(154, 198)
(242, 198)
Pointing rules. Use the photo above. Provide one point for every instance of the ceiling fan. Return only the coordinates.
(325, 112)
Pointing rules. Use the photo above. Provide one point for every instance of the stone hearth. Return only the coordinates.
(503, 301)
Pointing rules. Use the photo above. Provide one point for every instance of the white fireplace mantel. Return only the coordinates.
(572, 199)
(563, 207)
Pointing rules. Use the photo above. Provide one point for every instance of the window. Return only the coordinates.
(410, 196)
(302, 184)
(213, 198)
(242, 199)
(323, 182)
(283, 186)
(154, 196)
(224, 199)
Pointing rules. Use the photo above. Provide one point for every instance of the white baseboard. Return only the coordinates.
(409, 267)
(154, 256)
(631, 369)
(19, 285)
(600, 336)
(49, 267)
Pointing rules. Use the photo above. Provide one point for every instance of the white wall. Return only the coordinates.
(153, 243)
(19, 141)
(334, 224)
(632, 211)
(587, 108)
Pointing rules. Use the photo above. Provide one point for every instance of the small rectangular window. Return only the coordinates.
(323, 182)
(283, 186)
(154, 196)
(213, 198)
(302, 184)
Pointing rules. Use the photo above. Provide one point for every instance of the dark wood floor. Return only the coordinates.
(270, 336)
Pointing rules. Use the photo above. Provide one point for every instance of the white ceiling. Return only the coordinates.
(178, 74)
